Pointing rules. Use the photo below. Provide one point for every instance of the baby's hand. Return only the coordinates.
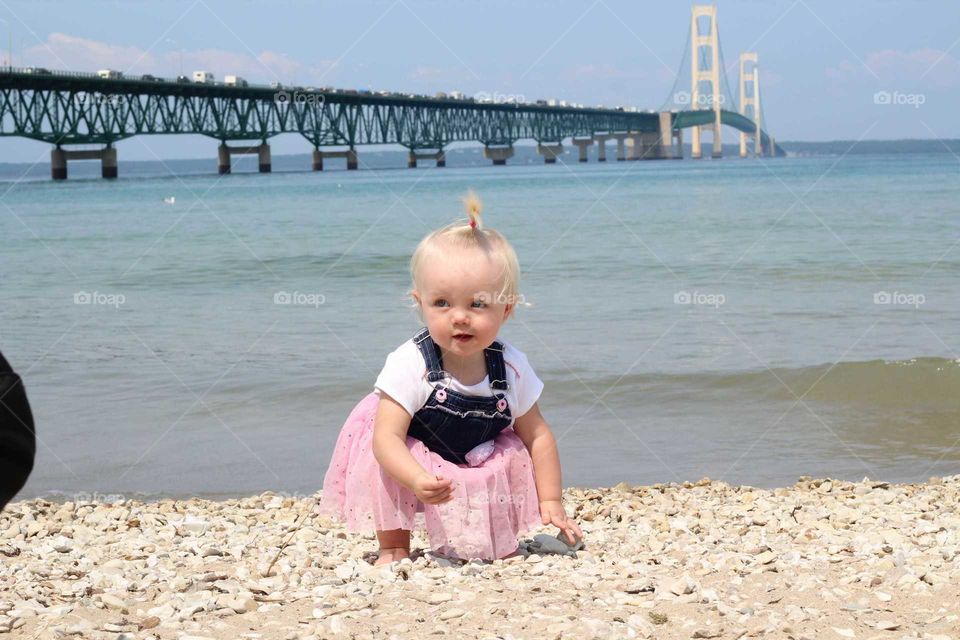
(552, 511)
(431, 489)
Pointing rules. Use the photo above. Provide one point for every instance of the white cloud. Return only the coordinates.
(929, 66)
(932, 65)
(422, 73)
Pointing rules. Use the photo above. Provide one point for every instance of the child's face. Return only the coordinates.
(457, 299)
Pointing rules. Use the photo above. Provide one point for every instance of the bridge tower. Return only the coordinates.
(711, 75)
(750, 79)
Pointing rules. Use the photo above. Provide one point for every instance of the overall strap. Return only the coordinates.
(431, 355)
(496, 368)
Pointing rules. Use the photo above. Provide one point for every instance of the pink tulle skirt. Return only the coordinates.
(492, 503)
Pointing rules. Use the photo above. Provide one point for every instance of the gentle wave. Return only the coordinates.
(231, 270)
(922, 384)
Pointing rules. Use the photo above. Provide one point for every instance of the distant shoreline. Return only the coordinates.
(870, 147)
(473, 155)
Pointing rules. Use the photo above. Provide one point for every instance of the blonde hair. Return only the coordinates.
(470, 233)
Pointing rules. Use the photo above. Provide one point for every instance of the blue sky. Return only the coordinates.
(822, 62)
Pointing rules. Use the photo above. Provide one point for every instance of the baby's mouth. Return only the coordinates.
(463, 337)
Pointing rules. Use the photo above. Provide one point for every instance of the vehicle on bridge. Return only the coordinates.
(109, 74)
(203, 77)
(235, 81)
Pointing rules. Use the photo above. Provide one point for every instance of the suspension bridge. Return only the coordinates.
(66, 109)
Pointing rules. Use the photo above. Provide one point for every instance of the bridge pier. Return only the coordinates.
(696, 150)
(439, 156)
(602, 139)
(635, 143)
(601, 147)
(58, 164)
(59, 157)
(224, 152)
(653, 147)
(583, 143)
(666, 146)
(499, 155)
(349, 154)
(621, 146)
(550, 152)
(108, 162)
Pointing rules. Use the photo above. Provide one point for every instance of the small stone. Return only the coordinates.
(846, 633)
(62, 545)
(437, 598)
(239, 605)
(888, 625)
(149, 623)
(933, 578)
(449, 614)
(682, 586)
(195, 525)
(111, 601)
(163, 612)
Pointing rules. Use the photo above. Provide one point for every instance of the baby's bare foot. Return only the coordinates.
(391, 554)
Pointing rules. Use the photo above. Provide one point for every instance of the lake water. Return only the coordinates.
(747, 320)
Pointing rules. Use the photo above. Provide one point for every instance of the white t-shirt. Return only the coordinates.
(404, 378)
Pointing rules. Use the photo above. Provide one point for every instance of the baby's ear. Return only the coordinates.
(507, 312)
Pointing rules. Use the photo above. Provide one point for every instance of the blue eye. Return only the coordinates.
(479, 304)
(440, 302)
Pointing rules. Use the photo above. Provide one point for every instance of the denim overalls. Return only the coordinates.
(451, 423)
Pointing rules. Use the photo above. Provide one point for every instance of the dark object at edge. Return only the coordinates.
(18, 440)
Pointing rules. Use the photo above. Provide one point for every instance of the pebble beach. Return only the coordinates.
(821, 559)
